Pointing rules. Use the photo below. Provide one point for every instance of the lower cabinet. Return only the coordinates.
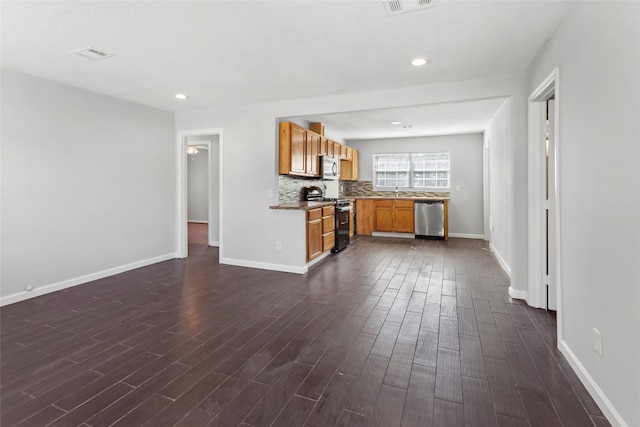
(328, 228)
(314, 233)
(320, 231)
(394, 216)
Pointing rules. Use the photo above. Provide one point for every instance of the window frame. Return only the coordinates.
(410, 171)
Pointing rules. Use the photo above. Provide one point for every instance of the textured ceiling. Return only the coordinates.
(229, 53)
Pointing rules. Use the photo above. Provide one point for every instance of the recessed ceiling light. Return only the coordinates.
(181, 96)
(396, 123)
(418, 61)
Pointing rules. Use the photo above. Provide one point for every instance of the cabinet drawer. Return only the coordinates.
(314, 214)
(328, 210)
(386, 203)
(404, 203)
(328, 224)
(328, 241)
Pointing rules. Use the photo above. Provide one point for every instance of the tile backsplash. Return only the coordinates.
(290, 189)
(365, 189)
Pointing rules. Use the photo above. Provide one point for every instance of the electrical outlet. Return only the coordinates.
(28, 288)
(597, 342)
(457, 188)
(270, 193)
(279, 246)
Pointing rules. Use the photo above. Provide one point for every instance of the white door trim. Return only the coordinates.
(181, 189)
(537, 114)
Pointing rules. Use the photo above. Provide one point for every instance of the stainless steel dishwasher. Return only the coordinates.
(429, 217)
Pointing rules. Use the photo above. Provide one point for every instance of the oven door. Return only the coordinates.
(342, 228)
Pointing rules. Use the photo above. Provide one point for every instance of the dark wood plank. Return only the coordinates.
(365, 391)
(478, 408)
(447, 414)
(418, 405)
(448, 378)
(266, 411)
(295, 412)
(319, 377)
(388, 409)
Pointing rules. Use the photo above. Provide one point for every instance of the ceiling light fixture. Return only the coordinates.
(192, 150)
(181, 96)
(396, 123)
(418, 62)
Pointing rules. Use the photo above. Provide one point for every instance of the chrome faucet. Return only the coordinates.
(396, 191)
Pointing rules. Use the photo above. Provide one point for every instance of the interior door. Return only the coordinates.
(550, 237)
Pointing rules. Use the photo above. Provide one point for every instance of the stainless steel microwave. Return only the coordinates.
(330, 167)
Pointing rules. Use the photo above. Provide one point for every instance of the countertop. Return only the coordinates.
(302, 206)
(431, 198)
(305, 206)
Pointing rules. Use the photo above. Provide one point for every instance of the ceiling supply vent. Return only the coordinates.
(91, 54)
(396, 7)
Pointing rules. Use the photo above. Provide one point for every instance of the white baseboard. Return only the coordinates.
(387, 234)
(467, 236)
(318, 259)
(215, 243)
(592, 387)
(518, 294)
(198, 222)
(501, 260)
(264, 265)
(46, 289)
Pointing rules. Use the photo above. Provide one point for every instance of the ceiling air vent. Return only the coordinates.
(91, 54)
(396, 7)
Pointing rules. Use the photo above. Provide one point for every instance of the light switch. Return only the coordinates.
(270, 193)
(457, 188)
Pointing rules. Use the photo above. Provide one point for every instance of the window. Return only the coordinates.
(419, 171)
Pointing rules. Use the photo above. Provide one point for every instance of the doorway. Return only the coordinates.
(208, 144)
(544, 226)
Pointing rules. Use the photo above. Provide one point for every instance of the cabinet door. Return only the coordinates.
(365, 214)
(404, 216)
(312, 159)
(324, 142)
(298, 150)
(351, 224)
(384, 215)
(354, 166)
(349, 153)
(314, 233)
(330, 148)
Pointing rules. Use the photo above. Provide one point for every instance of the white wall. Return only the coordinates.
(465, 206)
(88, 185)
(597, 50)
(250, 228)
(499, 140)
(198, 186)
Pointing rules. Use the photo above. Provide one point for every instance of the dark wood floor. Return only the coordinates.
(389, 332)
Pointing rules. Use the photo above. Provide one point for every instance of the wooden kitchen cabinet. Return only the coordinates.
(312, 163)
(299, 151)
(388, 215)
(314, 233)
(323, 146)
(403, 216)
(328, 228)
(351, 220)
(384, 215)
(365, 216)
(349, 168)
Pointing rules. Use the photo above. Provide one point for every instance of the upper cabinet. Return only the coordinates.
(300, 151)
